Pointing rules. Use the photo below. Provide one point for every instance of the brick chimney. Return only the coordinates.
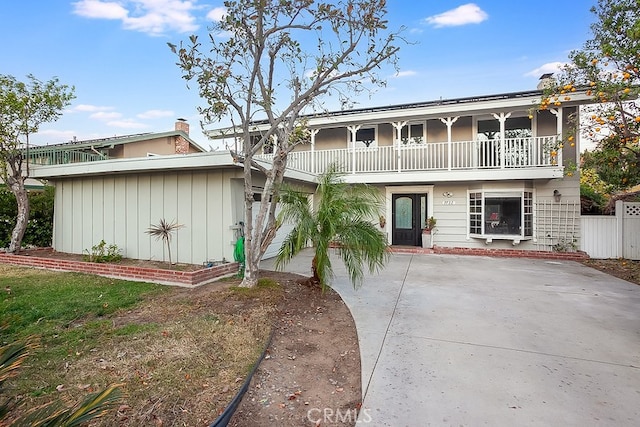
(181, 124)
(182, 145)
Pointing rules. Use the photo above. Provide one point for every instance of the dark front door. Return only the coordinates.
(409, 213)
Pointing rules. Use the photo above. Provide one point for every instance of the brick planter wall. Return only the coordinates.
(504, 253)
(141, 274)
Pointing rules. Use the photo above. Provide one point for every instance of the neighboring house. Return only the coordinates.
(490, 170)
(118, 147)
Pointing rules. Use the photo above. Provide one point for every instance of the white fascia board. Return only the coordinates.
(138, 164)
(204, 161)
(454, 176)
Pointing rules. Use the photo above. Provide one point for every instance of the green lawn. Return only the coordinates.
(167, 347)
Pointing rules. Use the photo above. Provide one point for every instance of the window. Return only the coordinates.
(501, 213)
(413, 133)
(365, 137)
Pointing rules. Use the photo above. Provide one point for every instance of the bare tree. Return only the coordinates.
(23, 108)
(272, 59)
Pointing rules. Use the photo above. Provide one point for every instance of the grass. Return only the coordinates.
(180, 354)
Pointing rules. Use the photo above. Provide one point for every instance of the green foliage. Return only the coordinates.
(616, 168)
(285, 56)
(342, 218)
(607, 68)
(103, 253)
(24, 106)
(40, 226)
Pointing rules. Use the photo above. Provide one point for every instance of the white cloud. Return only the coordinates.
(104, 115)
(99, 9)
(88, 108)
(549, 67)
(127, 124)
(407, 73)
(155, 114)
(216, 14)
(153, 17)
(469, 13)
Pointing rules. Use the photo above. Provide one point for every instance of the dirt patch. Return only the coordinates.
(624, 269)
(53, 254)
(312, 367)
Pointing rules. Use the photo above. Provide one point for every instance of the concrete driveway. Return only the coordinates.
(460, 340)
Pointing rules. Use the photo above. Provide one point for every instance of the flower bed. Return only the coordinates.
(128, 272)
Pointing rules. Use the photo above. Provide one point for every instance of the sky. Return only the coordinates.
(115, 54)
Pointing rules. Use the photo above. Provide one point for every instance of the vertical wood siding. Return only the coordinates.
(120, 209)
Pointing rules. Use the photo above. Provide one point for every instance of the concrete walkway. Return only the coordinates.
(453, 340)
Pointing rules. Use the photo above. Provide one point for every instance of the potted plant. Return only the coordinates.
(427, 235)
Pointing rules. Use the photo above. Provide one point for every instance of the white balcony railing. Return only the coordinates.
(492, 154)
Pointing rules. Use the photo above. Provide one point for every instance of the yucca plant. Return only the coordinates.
(53, 414)
(164, 231)
(11, 357)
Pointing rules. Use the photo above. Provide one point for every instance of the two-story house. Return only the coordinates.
(490, 169)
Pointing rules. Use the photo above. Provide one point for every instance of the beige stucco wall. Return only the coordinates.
(119, 209)
(160, 146)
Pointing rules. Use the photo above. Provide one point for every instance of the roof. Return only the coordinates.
(117, 140)
(176, 162)
(440, 107)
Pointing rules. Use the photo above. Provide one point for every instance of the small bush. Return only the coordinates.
(103, 253)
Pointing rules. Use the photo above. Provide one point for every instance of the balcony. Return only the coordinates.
(489, 155)
(61, 156)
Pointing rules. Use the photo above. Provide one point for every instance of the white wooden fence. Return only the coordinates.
(613, 236)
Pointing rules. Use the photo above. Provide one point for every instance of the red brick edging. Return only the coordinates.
(142, 274)
(502, 253)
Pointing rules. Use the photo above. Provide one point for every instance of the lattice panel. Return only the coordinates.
(631, 210)
(557, 225)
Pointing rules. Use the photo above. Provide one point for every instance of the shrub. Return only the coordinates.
(103, 253)
(40, 227)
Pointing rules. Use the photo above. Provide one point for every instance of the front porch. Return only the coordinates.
(517, 154)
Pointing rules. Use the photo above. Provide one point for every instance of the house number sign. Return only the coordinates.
(448, 202)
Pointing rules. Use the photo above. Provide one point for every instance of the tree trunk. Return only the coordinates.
(22, 219)
(259, 235)
(314, 268)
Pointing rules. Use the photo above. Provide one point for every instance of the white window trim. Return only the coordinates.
(424, 131)
(513, 192)
(361, 145)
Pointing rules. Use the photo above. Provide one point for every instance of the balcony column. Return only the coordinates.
(313, 133)
(398, 127)
(502, 118)
(353, 129)
(449, 121)
(559, 117)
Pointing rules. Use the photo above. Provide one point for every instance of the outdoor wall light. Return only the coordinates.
(557, 196)
(447, 194)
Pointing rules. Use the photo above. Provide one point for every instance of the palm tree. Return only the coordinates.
(343, 219)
